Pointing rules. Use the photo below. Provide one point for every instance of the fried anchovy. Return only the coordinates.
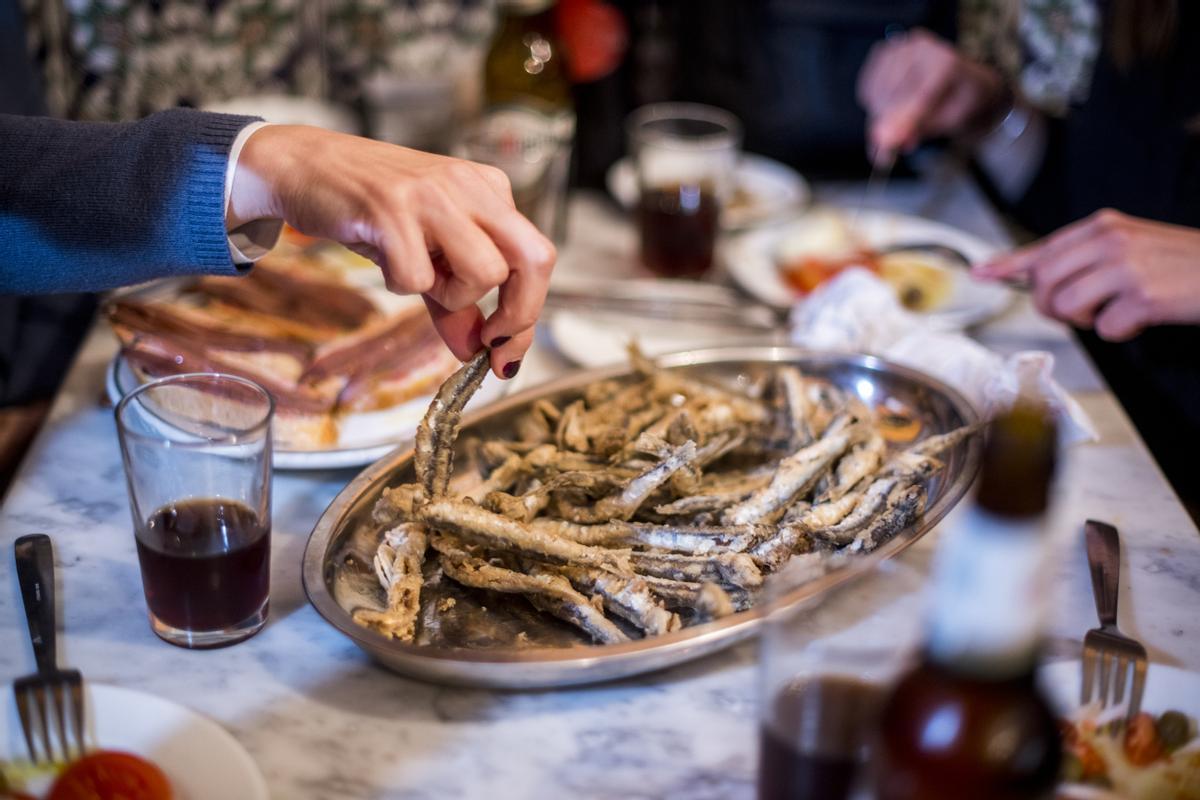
(824, 515)
(689, 540)
(628, 597)
(796, 401)
(474, 524)
(873, 500)
(398, 504)
(735, 569)
(696, 503)
(861, 461)
(904, 505)
(550, 593)
(708, 600)
(501, 478)
(398, 564)
(434, 448)
(622, 505)
(772, 553)
(795, 474)
(521, 508)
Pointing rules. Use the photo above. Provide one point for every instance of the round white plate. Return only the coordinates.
(750, 259)
(597, 339)
(1167, 688)
(200, 758)
(364, 437)
(771, 190)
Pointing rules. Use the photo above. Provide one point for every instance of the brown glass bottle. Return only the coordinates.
(528, 111)
(969, 720)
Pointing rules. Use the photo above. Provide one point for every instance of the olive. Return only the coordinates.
(1072, 768)
(1174, 730)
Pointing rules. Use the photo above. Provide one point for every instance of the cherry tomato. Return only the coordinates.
(109, 775)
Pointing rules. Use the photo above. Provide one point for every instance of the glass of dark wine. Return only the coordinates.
(197, 453)
(825, 664)
(686, 155)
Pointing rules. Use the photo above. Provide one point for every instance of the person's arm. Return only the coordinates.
(86, 206)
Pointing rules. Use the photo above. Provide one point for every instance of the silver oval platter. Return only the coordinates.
(511, 647)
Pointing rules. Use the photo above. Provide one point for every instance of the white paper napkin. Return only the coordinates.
(858, 312)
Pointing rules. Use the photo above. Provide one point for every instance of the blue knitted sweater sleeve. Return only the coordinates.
(86, 206)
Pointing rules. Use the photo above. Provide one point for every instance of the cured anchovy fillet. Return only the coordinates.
(795, 474)
(398, 564)
(434, 448)
(628, 597)
(904, 505)
(479, 526)
(398, 504)
(734, 569)
(861, 461)
(550, 593)
(625, 503)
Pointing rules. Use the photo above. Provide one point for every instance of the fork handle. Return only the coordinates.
(35, 573)
(1104, 559)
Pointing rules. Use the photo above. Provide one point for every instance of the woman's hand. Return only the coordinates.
(917, 86)
(440, 227)
(1116, 273)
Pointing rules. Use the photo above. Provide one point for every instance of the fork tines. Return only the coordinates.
(1115, 660)
(50, 706)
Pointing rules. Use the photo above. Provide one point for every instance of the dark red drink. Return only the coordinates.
(678, 226)
(813, 745)
(205, 564)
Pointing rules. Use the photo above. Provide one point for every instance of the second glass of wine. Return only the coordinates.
(686, 155)
(197, 453)
(826, 663)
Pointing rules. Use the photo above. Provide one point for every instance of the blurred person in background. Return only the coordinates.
(118, 61)
(1084, 116)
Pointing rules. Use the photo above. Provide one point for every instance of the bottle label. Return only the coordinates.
(524, 141)
(990, 594)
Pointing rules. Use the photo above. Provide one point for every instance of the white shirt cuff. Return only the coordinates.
(253, 240)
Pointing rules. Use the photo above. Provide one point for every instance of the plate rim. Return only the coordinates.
(728, 630)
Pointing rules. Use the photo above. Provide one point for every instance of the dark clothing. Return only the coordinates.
(1134, 145)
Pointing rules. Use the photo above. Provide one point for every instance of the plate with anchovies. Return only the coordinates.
(626, 519)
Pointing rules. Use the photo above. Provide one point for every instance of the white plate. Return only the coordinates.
(200, 758)
(598, 339)
(1167, 688)
(364, 437)
(750, 259)
(774, 189)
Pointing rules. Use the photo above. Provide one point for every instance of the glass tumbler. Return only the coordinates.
(686, 155)
(197, 453)
(825, 665)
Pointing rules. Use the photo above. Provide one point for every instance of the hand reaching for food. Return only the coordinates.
(1112, 272)
(437, 226)
(917, 86)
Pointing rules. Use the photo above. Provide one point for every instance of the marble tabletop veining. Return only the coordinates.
(324, 722)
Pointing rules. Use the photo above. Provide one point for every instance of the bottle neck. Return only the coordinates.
(990, 596)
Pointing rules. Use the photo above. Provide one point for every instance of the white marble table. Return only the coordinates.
(324, 722)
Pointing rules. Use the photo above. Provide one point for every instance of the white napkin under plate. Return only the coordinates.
(858, 312)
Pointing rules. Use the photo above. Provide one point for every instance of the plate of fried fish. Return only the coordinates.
(627, 518)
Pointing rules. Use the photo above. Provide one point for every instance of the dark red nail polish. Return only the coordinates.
(499, 341)
(510, 369)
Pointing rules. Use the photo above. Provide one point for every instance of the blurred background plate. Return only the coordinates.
(751, 259)
(766, 190)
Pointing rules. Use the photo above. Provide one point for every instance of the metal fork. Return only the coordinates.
(1106, 649)
(52, 694)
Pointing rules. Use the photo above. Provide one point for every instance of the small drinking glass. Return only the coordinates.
(825, 666)
(197, 453)
(686, 155)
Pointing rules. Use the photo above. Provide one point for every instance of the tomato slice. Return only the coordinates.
(109, 775)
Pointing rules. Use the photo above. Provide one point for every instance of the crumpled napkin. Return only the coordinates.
(858, 312)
